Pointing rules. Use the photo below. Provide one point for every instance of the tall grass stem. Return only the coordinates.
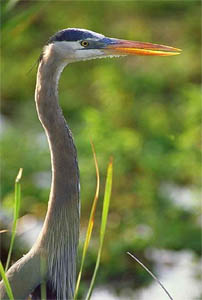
(105, 210)
(6, 282)
(153, 276)
(15, 215)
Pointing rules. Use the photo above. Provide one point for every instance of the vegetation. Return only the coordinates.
(143, 111)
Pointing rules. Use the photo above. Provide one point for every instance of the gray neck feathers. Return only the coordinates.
(60, 233)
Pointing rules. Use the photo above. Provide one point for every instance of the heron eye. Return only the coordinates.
(84, 43)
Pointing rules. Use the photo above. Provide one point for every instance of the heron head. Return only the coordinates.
(73, 44)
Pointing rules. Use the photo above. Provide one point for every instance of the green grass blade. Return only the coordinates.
(90, 224)
(6, 282)
(150, 273)
(105, 211)
(16, 214)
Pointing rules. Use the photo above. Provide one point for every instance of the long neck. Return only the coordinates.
(59, 236)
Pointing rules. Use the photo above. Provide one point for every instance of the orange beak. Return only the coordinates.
(124, 47)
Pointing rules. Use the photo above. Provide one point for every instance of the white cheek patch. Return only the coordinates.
(73, 51)
(66, 49)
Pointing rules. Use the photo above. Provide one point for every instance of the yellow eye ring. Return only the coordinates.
(84, 43)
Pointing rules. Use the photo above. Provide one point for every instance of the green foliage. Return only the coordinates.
(144, 111)
(15, 215)
(6, 282)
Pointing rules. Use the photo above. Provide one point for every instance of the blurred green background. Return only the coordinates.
(143, 111)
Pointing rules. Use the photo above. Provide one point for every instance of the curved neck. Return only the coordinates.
(65, 175)
(59, 236)
(56, 246)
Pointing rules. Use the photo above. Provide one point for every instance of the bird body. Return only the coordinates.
(53, 257)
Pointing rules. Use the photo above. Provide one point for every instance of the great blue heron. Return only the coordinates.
(56, 246)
